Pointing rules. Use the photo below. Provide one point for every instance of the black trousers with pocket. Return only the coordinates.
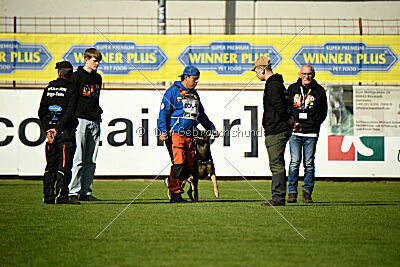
(57, 176)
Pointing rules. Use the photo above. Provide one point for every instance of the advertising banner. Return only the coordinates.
(377, 110)
(129, 145)
(221, 58)
(346, 58)
(361, 121)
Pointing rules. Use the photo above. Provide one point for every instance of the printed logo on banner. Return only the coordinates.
(345, 148)
(345, 58)
(227, 58)
(16, 56)
(142, 57)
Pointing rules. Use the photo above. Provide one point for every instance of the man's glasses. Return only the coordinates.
(307, 74)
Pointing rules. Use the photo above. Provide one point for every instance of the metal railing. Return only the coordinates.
(197, 26)
(201, 26)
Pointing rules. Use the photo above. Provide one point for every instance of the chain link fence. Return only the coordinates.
(195, 26)
(243, 26)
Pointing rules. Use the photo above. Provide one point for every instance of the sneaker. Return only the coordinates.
(177, 198)
(307, 198)
(88, 198)
(273, 203)
(292, 198)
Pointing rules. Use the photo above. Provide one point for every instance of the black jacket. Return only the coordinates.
(276, 106)
(88, 86)
(57, 106)
(315, 105)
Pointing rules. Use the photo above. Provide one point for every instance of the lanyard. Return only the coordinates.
(304, 97)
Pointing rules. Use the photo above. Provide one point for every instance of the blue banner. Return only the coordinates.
(120, 58)
(17, 56)
(346, 58)
(227, 58)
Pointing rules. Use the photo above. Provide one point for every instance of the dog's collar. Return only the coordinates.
(204, 162)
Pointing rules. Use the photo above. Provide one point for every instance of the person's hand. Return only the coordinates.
(51, 134)
(50, 137)
(297, 127)
(215, 133)
(163, 136)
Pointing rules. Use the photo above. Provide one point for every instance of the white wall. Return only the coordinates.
(201, 9)
(258, 17)
(327, 9)
(137, 159)
(78, 8)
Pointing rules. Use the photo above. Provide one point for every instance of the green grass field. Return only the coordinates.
(351, 224)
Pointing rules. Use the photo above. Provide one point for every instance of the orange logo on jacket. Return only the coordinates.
(87, 90)
(182, 93)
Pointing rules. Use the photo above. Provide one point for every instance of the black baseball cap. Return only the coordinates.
(64, 65)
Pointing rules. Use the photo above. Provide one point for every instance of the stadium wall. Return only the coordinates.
(222, 58)
(356, 140)
(202, 17)
(360, 138)
(202, 9)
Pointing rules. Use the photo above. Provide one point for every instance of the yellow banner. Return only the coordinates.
(32, 57)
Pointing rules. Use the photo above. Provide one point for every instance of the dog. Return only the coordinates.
(203, 165)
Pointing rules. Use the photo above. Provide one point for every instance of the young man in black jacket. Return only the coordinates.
(309, 108)
(88, 83)
(277, 125)
(57, 118)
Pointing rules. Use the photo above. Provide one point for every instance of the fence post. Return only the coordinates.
(230, 16)
(361, 33)
(162, 14)
(15, 31)
(15, 24)
(190, 26)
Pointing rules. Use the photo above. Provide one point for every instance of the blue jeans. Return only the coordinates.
(299, 146)
(84, 163)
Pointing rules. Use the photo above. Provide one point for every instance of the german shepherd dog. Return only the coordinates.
(203, 165)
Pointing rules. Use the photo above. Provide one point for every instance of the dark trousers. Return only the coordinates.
(182, 149)
(59, 156)
(276, 151)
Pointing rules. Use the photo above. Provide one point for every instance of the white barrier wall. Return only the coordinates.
(129, 144)
(203, 9)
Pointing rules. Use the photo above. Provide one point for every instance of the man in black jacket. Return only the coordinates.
(88, 83)
(57, 118)
(309, 108)
(277, 125)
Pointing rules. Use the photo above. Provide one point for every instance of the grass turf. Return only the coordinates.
(351, 224)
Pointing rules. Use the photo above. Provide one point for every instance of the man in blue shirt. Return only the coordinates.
(180, 112)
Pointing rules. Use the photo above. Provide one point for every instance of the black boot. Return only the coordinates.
(177, 198)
